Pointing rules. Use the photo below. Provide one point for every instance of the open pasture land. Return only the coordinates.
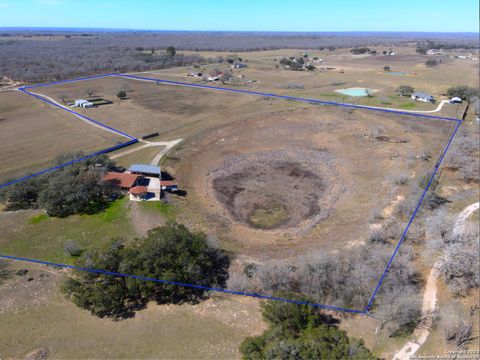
(211, 329)
(33, 133)
(276, 178)
(307, 179)
(173, 111)
(345, 71)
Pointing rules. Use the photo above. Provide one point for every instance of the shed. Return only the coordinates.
(169, 185)
(146, 170)
(83, 103)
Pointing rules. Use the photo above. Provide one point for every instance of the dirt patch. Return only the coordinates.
(273, 190)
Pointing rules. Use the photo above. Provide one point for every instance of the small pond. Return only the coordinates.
(355, 91)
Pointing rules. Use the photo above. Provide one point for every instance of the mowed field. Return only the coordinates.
(33, 133)
(153, 108)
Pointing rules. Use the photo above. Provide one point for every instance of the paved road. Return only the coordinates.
(429, 303)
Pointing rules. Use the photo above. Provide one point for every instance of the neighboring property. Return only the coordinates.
(145, 170)
(239, 66)
(421, 96)
(83, 103)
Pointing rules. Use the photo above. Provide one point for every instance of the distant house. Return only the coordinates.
(420, 96)
(213, 78)
(145, 170)
(83, 103)
(239, 66)
(455, 100)
(123, 180)
(434, 52)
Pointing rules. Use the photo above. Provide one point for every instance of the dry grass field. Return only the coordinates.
(357, 71)
(280, 186)
(33, 134)
(35, 316)
(272, 180)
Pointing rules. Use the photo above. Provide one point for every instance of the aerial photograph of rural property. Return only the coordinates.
(239, 180)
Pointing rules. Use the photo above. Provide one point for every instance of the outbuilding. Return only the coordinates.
(145, 170)
(420, 96)
(455, 100)
(83, 103)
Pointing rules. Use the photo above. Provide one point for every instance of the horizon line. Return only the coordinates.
(73, 28)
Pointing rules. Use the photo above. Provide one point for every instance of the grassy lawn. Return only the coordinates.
(167, 211)
(43, 237)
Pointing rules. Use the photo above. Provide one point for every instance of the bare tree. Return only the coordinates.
(455, 322)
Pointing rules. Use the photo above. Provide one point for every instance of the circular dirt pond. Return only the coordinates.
(268, 191)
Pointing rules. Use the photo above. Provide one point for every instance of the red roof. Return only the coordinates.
(138, 190)
(167, 183)
(123, 180)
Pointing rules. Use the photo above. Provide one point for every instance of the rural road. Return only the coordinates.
(167, 145)
(437, 109)
(421, 333)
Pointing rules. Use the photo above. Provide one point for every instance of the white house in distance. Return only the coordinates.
(83, 103)
(455, 100)
(420, 96)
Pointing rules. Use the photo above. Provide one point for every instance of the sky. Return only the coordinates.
(246, 15)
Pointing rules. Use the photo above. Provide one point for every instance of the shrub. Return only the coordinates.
(431, 63)
(460, 260)
(456, 325)
(121, 94)
(73, 248)
(4, 271)
(405, 90)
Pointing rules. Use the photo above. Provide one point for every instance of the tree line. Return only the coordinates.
(74, 189)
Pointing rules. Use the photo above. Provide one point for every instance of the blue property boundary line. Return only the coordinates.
(200, 287)
(44, 171)
(133, 140)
